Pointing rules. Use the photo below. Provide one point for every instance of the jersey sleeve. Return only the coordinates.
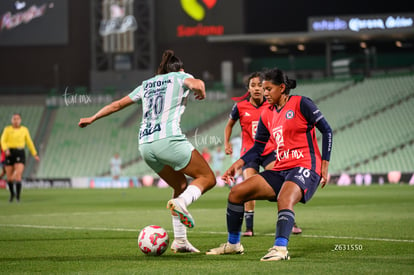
(309, 110)
(234, 115)
(314, 117)
(187, 75)
(3, 141)
(136, 94)
(184, 76)
(29, 143)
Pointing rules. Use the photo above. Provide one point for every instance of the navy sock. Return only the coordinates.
(234, 221)
(11, 189)
(285, 222)
(248, 216)
(18, 189)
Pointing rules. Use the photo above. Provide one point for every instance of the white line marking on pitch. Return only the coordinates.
(199, 232)
(67, 227)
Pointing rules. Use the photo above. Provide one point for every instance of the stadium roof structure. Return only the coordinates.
(313, 37)
(333, 30)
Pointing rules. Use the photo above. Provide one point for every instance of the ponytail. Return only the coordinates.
(290, 83)
(241, 98)
(169, 63)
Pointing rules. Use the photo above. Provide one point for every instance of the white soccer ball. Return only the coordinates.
(153, 240)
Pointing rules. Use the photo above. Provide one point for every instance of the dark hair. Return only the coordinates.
(277, 76)
(247, 94)
(253, 75)
(169, 63)
(17, 114)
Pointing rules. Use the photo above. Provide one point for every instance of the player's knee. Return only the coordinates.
(286, 202)
(236, 196)
(210, 180)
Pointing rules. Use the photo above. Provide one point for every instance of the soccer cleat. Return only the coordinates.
(276, 253)
(296, 229)
(227, 248)
(178, 207)
(183, 246)
(248, 233)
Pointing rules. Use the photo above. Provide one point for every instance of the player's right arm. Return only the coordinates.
(234, 116)
(107, 110)
(260, 141)
(227, 134)
(3, 141)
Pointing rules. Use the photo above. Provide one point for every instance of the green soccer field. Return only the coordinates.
(346, 230)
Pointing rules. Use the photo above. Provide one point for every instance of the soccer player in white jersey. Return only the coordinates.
(162, 144)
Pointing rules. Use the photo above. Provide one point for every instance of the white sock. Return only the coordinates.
(191, 194)
(180, 231)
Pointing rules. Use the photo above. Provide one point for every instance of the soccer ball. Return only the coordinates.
(153, 240)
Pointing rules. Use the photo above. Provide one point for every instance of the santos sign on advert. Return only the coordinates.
(361, 23)
(183, 19)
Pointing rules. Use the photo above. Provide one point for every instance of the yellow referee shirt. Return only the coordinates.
(17, 138)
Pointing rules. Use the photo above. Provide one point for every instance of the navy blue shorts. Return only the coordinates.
(306, 179)
(262, 161)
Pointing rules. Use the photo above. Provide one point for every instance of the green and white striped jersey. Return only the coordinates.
(163, 102)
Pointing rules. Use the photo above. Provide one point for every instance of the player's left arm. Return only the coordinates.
(197, 86)
(30, 145)
(107, 110)
(315, 117)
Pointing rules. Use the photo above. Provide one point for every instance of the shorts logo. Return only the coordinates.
(195, 10)
(290, 114)
(300, 178)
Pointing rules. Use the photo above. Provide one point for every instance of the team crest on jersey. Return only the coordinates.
(290, 114)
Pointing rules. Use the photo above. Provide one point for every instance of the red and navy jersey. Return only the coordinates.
(249, 116)
(293, 128)
(3, 155)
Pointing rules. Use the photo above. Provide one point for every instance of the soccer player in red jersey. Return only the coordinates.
(247, 110)
(299, 166)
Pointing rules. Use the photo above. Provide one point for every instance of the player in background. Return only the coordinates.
(2, 163)
(115, 168)
(247, 110)
(298, 170)
(162, 144)
(14, 139)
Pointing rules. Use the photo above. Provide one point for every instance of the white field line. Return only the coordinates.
(59, 214)
(69, 227)
(202, 232)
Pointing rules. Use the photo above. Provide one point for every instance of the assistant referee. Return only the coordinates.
(13, 141)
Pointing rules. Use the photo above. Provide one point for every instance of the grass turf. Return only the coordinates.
(66, 231)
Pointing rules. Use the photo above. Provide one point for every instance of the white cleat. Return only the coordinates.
(183, 246)
(276, 253)
(227, 248)
(178, 207)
